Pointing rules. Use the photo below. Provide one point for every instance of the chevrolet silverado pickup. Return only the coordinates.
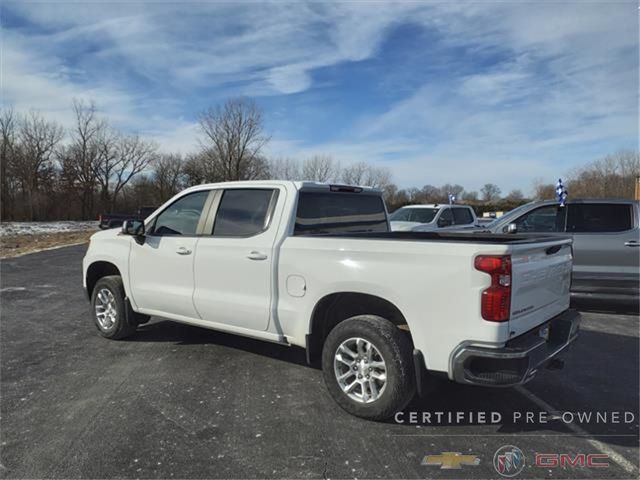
(316, 266)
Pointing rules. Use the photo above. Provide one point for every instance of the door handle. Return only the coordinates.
(256, 256)
(183, 251)
(632, 243)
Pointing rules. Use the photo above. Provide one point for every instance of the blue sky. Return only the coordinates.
(467, 92)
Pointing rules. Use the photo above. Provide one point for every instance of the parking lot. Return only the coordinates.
(184, 402)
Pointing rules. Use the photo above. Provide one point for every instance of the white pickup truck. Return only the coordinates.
(316, 266)
(427, 218)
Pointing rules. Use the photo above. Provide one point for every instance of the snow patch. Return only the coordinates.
(38, 228)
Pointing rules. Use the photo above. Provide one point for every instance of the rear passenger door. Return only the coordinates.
(234, 258)
(445, 219)
(462, 216)
(605, 258)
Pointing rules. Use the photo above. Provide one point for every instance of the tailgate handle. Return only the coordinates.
(554, 249)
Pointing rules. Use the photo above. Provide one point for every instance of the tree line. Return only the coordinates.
(52, 173)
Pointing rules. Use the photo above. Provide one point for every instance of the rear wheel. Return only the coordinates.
(109, 308)
(368, 367)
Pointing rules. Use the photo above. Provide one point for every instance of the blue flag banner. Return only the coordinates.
(452, 199)
(561, 192)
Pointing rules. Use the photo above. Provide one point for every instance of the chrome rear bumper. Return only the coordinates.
(520, 359)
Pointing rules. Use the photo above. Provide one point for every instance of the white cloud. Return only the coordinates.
(562, 84)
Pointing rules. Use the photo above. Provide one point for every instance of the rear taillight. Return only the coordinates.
(496, 300)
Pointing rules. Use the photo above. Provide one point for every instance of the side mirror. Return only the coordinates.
(512, 228)
(133, 227)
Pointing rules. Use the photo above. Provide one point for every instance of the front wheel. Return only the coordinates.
(368, 367)
(109, 308)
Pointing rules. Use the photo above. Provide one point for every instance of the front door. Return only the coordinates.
(233, 264)
(161, 269)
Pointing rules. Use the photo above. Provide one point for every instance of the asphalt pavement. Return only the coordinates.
(177, 401)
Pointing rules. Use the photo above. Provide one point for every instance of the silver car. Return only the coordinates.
(606, 243)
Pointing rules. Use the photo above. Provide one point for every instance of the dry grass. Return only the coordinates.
(12, 246)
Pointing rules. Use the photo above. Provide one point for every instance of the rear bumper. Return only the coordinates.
(520, 359)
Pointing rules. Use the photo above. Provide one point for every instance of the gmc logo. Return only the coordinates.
(552, 460)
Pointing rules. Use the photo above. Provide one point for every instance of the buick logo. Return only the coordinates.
(508, 461)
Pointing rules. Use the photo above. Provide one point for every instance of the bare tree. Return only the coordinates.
(120, 158)
(168, 175)
(543, 190)
(490, 192)
(429, 194)
(8, 155)
(515, 195)
(470, 197)
(285, 169)
(233, 139)
(355, 173)
(448, 188)
(379, 177)
(79, 158)
(193, 168)
(362, 173)
(611, 176)
(320, 168)
(39, 139)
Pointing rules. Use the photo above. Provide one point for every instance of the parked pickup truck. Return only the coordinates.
(114, 220)
(316, 266)
(606, 243)
(426, 218)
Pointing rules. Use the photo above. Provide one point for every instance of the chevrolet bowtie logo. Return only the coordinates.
(451, 460)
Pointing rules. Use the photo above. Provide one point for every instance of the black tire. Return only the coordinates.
(394, 346)
(124, 324)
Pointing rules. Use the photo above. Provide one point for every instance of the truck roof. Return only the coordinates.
(298, 185)
(583, 200)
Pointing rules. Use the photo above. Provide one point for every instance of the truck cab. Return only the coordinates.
(430, 217)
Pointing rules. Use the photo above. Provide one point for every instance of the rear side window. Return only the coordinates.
(242, 212)
(599, 217)
(336, 212)
(462, 216)
(446, 218)
(182, 216)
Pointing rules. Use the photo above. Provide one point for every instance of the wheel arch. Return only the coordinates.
(336, 307)
(98, 270)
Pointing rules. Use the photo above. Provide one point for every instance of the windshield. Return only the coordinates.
(418, 215)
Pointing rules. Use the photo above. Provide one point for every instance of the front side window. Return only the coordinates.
(182, 216)
(543, 219)
(462, 216)
(335, 212)
(242, 212)
(599, 217)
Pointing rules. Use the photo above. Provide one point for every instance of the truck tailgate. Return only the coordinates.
(541, 278)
